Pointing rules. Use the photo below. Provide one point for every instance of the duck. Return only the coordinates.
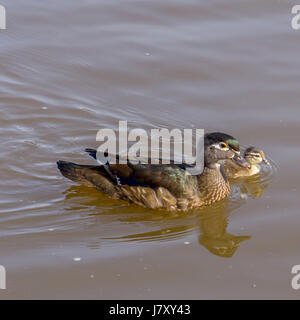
(163, 186)
(254, 156)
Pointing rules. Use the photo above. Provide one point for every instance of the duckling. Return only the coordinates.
(254, 156)
(163, 186)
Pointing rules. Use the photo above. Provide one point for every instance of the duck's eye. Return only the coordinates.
(255, 155)
(224, 146)
(221, 146)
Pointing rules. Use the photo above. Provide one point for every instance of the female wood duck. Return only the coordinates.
(163, 186)
(253, 156)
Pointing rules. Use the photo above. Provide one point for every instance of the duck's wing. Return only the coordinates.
(172, 177)
(91, 152)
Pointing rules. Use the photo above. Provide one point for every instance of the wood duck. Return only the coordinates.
(163, 186)
(254, 156)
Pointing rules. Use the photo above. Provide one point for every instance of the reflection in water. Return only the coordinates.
(210, 222)
(215, 237)
(252, 186)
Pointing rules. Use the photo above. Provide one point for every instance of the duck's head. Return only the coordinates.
(255, 155)
(221, 146)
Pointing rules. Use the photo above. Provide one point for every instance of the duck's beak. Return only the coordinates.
(266, 162)
(241, 161)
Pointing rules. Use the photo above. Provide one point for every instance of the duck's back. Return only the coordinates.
(154, 186)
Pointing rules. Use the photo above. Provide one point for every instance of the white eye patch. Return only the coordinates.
(221, 146)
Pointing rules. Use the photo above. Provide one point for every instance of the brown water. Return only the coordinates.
(70, 68)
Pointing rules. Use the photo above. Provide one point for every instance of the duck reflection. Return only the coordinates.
(216, 239)
(210, 222)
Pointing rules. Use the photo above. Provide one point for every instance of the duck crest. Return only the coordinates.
(234, 144)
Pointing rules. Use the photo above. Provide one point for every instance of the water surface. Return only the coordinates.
(70, 68)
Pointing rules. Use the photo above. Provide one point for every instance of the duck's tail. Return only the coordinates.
(71, 171)
(88, 175)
